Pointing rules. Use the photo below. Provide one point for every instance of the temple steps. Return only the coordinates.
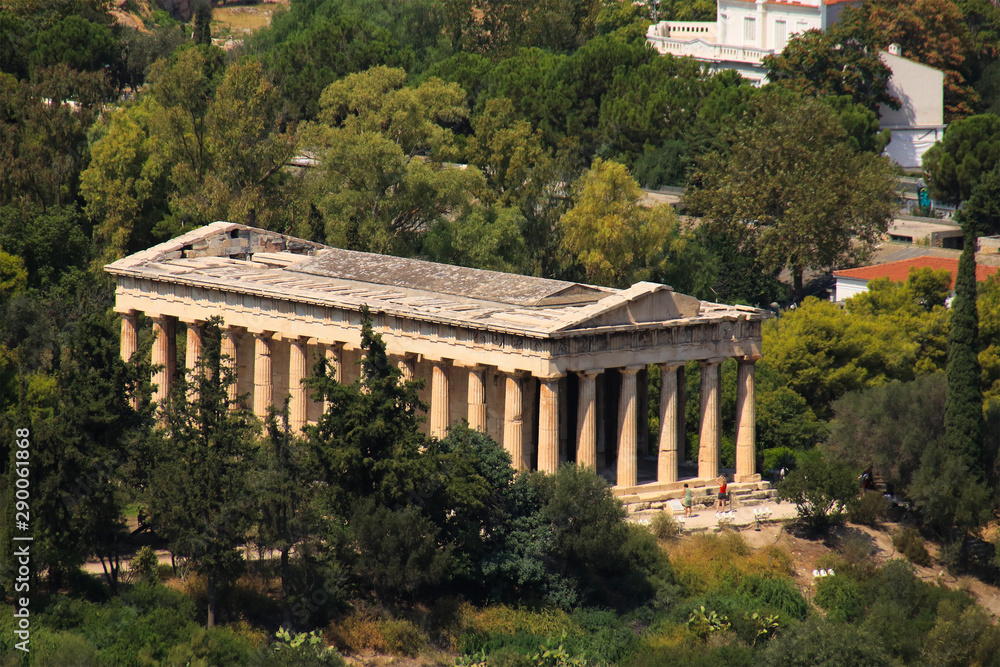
(705, 494)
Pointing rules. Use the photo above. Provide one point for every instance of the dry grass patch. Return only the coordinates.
(719, 561)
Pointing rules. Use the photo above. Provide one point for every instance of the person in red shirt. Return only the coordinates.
(723, 496)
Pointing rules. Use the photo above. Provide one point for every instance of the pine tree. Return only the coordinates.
(198, 495)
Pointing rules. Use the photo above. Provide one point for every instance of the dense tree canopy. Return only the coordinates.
(794, 189)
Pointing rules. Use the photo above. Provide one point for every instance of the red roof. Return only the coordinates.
(898, 271)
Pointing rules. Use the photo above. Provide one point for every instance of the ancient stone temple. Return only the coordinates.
(555, 371)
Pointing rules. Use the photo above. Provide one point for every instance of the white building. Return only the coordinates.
(745, 31)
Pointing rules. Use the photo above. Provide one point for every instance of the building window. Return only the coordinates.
(750, 29)
(780, 35)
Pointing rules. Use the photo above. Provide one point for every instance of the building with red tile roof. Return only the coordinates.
(850, 282)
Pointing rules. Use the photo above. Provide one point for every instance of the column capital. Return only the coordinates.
(551, 377)
(712, 361)
(517, 374)
(442, 361)
(192, 322)
(750, 358)
(590, 373)
(671, 365)
(126, 312)
(630, 370)
(468, 365)
(261, 335)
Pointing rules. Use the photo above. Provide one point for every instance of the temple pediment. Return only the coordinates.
(643, 303)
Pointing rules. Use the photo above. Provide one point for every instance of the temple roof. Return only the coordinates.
(240, 259)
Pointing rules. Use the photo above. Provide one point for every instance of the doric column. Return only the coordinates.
(230, 350)
(477, 399)
(440, 417)
(710, 438)
(586, 450)
(130, 343)
(548, 424)
(130, 335)
(666, 461)
(746, 414)
(263, 384)
(195, 334)
(163, 332)
(297, 372)
(681, 414)
(406, 367)
(513, 420)
(334, 354)
(627, 420)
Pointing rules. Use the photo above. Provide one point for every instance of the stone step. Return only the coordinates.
(742, 497)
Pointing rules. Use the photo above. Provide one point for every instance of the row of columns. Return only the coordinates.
(670, 413)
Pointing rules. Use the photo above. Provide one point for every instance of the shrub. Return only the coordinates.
(402, 637)
(908, 542)
(841, 598)
(144, 566)
(820, 642)
(777, 458)
(360, 631)
(820, 489)
(776, 593)
(664, 525)
(869, 509)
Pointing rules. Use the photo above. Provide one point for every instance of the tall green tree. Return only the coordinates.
(794, 189)
(840, 61)
(964, 407)
(382, 181)
(970, 149)
(616, 239)
(198, 491)
(283, 491)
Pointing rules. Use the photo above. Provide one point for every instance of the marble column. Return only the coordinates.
(513, 420)
(681, 415)
(746, 414)
(192, 355)
(666, 460)
(586, 450)
(195, 337)
(406, 367)
(710, 434)
(628, 425)
(230, 361)
(548, 424)
(163, 331)
(263, 383)
(477, 399)
(129, 344)
(297, 372)
(334, 354)
(440, 417)
(130, 335)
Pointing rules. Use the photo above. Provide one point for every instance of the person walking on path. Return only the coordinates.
(687, 502)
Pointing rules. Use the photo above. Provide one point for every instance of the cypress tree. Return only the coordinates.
(202, 23)
(964, 403)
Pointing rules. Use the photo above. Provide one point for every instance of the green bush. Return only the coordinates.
(869, 509)
(664, 525)
(908, 542)
(820, 643)
(777, 458)
(841, 598)
(775, 593)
